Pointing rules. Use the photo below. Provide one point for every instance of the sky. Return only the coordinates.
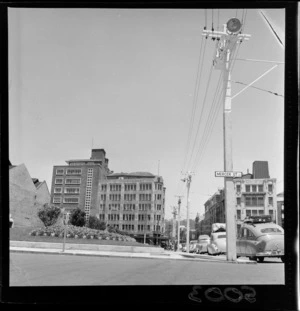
(140, 84)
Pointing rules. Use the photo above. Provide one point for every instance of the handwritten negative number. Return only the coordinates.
(232, 294)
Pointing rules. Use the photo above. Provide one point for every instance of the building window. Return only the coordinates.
(145, 187)
(57, 190)
(238, 201)
(270, 188)
(60, 171)
(254, 188)
(57, 200)
(71, 200)
(73, 181)
(58, 181)
(247, 188)
(248, 212)
(72, 190)
(103, 197)
(115, 187)
(254, 212)
(260, 212)
(103, 187)
(74, 171)
(238, 188)
(260, 188)
(271, 213)
(271, 201)
(254, 201)
(238, 214)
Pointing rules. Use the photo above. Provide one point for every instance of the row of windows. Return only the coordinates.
(68, 181)
(131, 187)
(140, 228)
(66, 200)
(69, 171)
(69, 190)
(130, 217)
(130, 197)
(255, 188)
(254, 201)
(130, 207)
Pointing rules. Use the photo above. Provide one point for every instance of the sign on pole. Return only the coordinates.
(228, 174)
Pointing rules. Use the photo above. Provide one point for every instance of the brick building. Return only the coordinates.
(133, 202)
(255, 194)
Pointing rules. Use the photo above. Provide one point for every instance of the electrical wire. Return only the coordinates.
(201, 114)
(209, 123)
(212, 117)
(276, 94)
(195, 98)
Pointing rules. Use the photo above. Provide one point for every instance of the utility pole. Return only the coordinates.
(227, 41)
(188, 180)
(178, 220)
(174, 223)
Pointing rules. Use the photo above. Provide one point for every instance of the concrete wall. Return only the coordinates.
(23, 203)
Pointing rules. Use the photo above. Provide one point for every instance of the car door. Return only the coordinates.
(241, 242)
(251, 243)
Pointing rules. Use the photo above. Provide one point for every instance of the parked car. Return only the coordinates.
(217, 243)
(193, 244)
(201, 246)
(259, 237)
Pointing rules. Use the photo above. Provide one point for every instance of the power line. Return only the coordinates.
(259, 88)
(201, 114)
(195, 98)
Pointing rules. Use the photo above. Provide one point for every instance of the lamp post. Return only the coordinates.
(66, 220)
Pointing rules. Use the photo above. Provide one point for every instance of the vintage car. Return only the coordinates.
(193, 244)
(201, 246)
(217, 243)
(259, 237)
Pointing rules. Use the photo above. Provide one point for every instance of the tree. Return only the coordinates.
(96, 223)
(49, 214)
(77, 218)
(197, 226)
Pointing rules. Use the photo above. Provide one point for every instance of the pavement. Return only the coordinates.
(116, 251)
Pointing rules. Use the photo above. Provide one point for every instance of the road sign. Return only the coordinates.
(228, 174)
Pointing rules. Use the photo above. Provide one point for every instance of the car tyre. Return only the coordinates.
(260, 259)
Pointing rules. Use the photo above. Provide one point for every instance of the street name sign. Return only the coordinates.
(228, 174)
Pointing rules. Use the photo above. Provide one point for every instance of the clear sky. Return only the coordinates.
(126, 80)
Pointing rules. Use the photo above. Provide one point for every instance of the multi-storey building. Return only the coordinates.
(255, 194)
(76, 185)
(131, 202)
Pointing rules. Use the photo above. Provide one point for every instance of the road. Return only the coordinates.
(53, 270)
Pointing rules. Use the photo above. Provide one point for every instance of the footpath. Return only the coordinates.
(116, 251)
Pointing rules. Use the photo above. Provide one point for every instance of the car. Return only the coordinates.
(11, 221)
(201, 246)
(259, 238)
(217, 243)
(193, 244)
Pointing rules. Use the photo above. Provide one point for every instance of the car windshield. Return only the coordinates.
(271, 230)
(204, 239)
(221, 236)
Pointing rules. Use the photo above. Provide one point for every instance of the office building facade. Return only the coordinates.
(131, 202)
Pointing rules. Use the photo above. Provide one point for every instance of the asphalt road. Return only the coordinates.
(59, 270)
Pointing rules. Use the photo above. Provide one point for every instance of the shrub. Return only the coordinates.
(49, 214)
(77, 218)
(96, 223)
